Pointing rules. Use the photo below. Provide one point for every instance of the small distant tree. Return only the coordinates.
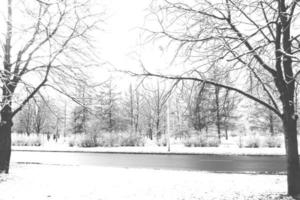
(264, 120)
(200, 106)
(38, 116)
(23, 122)
(79, 120)
(154, 109)
(108, 108)
(229, 110)
(132, 106)
(43, 115)
(81, 112)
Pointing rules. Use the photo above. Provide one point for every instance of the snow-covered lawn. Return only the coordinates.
(39, 182)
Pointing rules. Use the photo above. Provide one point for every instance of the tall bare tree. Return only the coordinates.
(109, 106)
(45, 43)
(242, 37)
(155, 98)
(132, 106)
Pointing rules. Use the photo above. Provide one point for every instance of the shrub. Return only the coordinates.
(132, 141)
(252, 142)
(213, 142)
(87, 141)
(83, 141)
(200, 141)
(22, 140)
(106, 140)
(109, 140)
(162, 142)
(192, 142)
(273, 142)
(71, 143)
(186, 133)
(234, 134)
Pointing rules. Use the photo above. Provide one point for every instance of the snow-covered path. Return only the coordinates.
(38, 182)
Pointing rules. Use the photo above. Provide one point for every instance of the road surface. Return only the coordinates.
(213, 163)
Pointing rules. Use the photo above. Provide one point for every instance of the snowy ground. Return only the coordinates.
(39, 182)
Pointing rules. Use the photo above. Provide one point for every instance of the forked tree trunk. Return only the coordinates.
(291, 145)
(5, 139)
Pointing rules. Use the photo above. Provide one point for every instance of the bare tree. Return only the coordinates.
(155, 98)
(263, 119)
(200, 106)
(132, 106)
(36, 117)
(23, 122)
(229, 107)
(43, 114)
(109, 106)
(46, 44)
(242, 37)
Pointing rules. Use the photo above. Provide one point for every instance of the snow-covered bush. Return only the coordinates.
(252, 142)
(162, 142)
(120, 139)
(24, 140)
(71, 143)
(201, 141)
(83, 141)
(213, 142)
(132, 141)
(88, 141)
(106, 140)
(109, 140)
(273, 142)
(193, 142)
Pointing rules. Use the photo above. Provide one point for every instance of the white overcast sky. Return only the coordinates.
(120, 41)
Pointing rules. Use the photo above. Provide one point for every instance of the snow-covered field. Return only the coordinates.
(39, 182)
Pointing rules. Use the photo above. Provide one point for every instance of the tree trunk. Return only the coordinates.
(150, 132)
(226, 132)
(5, 139)
(291, 145)
(271, 121)
(7, 91)
(218, 121)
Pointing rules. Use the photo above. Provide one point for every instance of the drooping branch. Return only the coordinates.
(182, 78)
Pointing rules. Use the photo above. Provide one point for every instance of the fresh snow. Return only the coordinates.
(39, 182)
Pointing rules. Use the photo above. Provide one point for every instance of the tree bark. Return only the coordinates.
(150, 132)
(291, 145)
(5, 139)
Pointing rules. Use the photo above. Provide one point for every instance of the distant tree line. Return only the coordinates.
(141, 111)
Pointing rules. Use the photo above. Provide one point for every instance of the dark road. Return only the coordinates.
(213, 163)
